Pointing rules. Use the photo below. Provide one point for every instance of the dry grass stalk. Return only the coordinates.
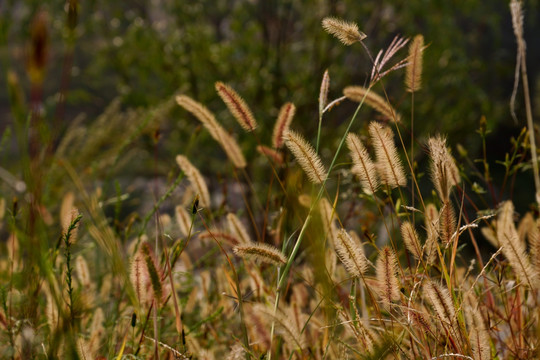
(195, 178)
(513, 249)
(306, 156)
(238, 229)
(237, 106)
(359, 94)
(413, 76)
(270, 153)
(283, 122)
(351, 254)
(346, 32)
(261, 252)
(410, 238)
(363, 166)
(444, 172)
(217, 132)
(388, 163)
(386, 270)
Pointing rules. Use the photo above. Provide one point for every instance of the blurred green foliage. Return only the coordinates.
(272, 52)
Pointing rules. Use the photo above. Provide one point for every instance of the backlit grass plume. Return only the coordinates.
(306, 156)
(155, 275)
(359, 94)
(323, 92)
(286, 114)
(201, 112)
(261, 252)
(139, 276)
(413, 75)
(389, 166)
(195, 178)
(441, 300)
(444, 172)
(227, 142)
(513, 249)
(410, 238)
(363, 166)
(386, 270)
(237, 106)
(350, 253)
(431, 223)
(346, 32)
(447, 223)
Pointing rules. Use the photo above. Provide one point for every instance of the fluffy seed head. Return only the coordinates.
(286, 114)
(195, 178)
(389, 166)
(306, 156)
(261, 252)
(444, 172)
(447, 222)
(410, 238)
(413, 76)
(363, 166)
(323, 92)
(431, 222)
(386, 270)
(217, 132)
(359, 94)
(229, 144)
(351, 254)
(440, 299)
(237, 106)
(139, 276)
(200, 111)
(346, 32)
(513, 249)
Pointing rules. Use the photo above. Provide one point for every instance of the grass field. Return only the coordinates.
(369, 240)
